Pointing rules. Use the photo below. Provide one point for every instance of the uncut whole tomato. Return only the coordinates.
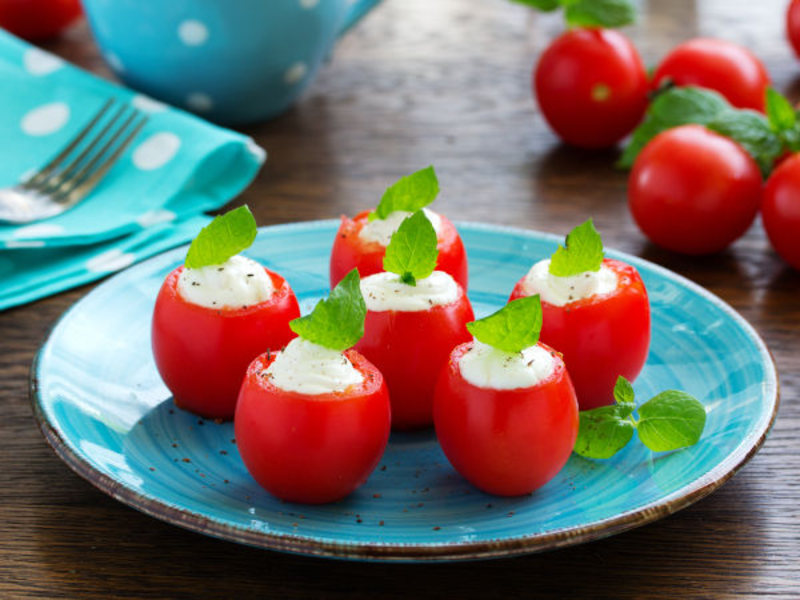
(38, 19)
(600, 337)
(312, 448)
(202, 353)
(350, 251)
(591, 85)
(793, 25)
(780, 210)
(725, 67)
(507, 442)
(694, 191)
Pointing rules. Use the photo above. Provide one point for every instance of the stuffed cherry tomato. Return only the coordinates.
(598, 320)
(313, 419)
(361, 244)
(209, 323)
(506, 422)
(408, 334)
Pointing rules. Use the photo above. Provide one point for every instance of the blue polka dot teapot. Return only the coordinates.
(231, 61)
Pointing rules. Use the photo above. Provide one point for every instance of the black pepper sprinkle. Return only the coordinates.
(152, 469)
(380, 523)
(201, 422)
(174, 445)
(172, 412)
(221, 269)
(383, 468)
(223, 452)
(437, 528)
(251, 274)
(186, 460)
(488, 506)
(359, 521)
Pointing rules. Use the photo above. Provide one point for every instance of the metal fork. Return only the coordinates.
(76, 170)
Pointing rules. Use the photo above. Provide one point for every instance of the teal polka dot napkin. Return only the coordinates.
(177, 168)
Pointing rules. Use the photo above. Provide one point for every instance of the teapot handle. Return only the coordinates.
(358, 9)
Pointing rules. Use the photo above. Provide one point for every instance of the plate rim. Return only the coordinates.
(419, 552)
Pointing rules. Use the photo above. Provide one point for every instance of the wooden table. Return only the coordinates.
(443, 82)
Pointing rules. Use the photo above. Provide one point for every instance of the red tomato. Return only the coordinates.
(202, 353)
(793, 25)
(728, 68)
(37, 19)
(601, 337)
(505, 442)
(591, 85)
(410, 348)
(312, 449)
(694, 191)
(350, 251)
(780, 210)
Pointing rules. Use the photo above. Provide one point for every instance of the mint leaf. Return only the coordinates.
(544, 5)
(751, 131)
(410, 194)
(582, 251)
(671, 108)
(225, 236)
(604, 431)
(513, 328)
(780, 112)
(599, 13)
(412, 251)
(338, 322)
(671, 420)
(623, 391)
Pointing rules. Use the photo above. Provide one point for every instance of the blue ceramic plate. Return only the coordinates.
(101, 405)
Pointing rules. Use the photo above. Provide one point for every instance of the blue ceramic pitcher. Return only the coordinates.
(232, 61)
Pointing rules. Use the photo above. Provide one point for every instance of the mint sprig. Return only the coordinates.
(764, 138)
(338, 322)
(582, 251)
(412, 251)
(513, 328)
(224, 237)
(589, 13)
(410, 194)
(669, 421)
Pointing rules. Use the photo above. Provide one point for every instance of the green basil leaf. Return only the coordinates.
(604, 431)
(751, 131)
(338, 322)
(544, 5)
(599, 13)
(671, 420)
(412, 251)
(623, 391)
(224, 237)
(671, 108)
(780, 112)
(410, 194)
(582, 251)
(513, 328)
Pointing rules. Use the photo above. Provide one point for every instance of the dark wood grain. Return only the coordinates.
(443, 82)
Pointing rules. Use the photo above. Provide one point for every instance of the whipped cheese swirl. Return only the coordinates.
(308, 368)
(382, 230)
(237, 283)
(560, 291)
(385, 291)
(487, 367)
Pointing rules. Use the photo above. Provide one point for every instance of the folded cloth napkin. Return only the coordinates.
(178, 167)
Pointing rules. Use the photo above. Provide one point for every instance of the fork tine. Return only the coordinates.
(35, 179)
(86, 184)
(51, 184)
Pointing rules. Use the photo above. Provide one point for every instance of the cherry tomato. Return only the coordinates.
(728, 68)
(350, 251)
(202, 353)
(312, 449)
(505, 442)
(591, 85)
(38, 19)
(693, 191)
(780, 210)
(410, 348)
(601, 337)
(793, 25)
